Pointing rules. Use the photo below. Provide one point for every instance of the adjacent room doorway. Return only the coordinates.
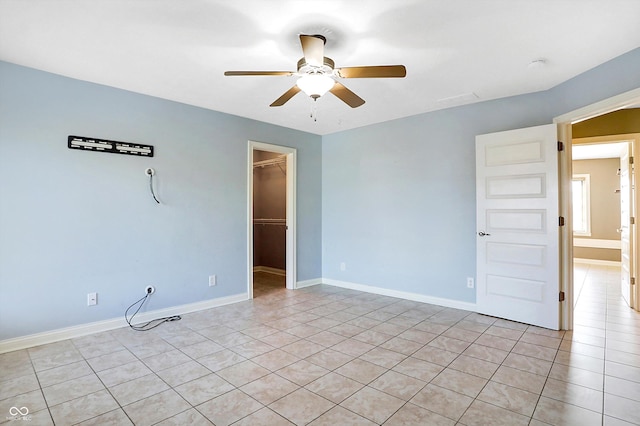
(603, 187)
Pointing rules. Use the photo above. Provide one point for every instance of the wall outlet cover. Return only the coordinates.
(92, 299)
(470, 282)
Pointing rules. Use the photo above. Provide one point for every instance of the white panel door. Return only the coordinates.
(517, 225)
(625, 226)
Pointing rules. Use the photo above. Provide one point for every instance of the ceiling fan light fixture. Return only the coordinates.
(318, 74)
(315, 85)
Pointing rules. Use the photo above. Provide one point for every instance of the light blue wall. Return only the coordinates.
(74, 222)
(398, 203)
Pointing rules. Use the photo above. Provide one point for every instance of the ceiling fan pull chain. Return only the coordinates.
(314, 111)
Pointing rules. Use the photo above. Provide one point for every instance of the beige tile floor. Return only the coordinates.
(329, 356)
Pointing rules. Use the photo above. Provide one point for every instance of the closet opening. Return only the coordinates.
(271, 219)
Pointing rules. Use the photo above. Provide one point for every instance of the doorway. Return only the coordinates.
(564, 123)
(602, 202)
(271, 218)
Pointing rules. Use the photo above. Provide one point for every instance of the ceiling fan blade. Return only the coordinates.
(232, 73)
(285, 97)
(346, 95)
(313, 49)
(380, 71)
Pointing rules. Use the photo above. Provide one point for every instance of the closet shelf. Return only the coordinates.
(281, 222)
(273, 161)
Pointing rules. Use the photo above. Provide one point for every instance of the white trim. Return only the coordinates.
(596, 109)
(309, 283)
(291, 178)
(43, 338)
(597, 243)
(270, 270)
(597, 262)
(416, 297)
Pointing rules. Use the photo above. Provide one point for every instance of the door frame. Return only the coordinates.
(291, 178)
(565, 173)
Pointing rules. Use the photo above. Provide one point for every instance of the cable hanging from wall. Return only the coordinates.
(150, 172)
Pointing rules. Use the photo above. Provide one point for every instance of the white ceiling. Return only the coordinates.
(455, 51)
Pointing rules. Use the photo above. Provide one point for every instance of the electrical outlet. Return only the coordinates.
(470, 283)
(343, 266)
(92, 299)
(212, 280)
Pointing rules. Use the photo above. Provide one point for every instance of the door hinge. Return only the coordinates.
(561, 221)
(633, 280)
(632, 220)
(561, 296)
(630, 160)
(560, 146)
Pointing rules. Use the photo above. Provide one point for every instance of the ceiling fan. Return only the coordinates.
(317, 74)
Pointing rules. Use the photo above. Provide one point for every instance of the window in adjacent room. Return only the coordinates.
(580, 189)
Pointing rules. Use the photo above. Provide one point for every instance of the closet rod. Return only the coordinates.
(269, 221)
(278, 160)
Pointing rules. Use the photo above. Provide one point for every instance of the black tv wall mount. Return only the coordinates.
(114, 147)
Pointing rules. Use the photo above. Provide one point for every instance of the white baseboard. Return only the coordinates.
(308, 283)
(597, 262)
(46, 337)
(270, 270)
(43, 338)
(416, 297)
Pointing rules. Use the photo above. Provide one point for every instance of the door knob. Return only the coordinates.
(483, 234)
